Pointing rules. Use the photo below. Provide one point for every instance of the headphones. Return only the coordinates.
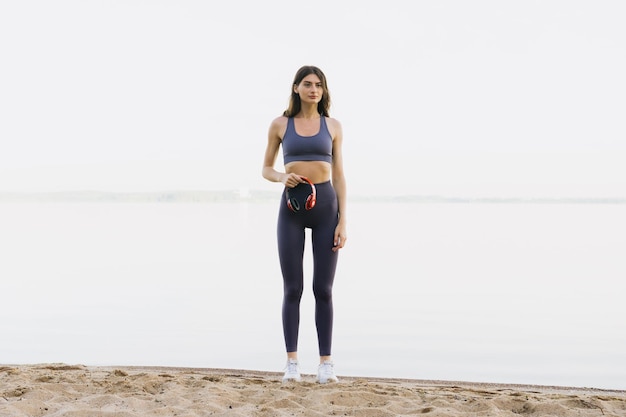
(293, 203)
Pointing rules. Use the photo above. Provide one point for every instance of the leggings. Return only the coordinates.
(322, 220)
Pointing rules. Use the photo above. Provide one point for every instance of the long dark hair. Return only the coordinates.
(294, 99)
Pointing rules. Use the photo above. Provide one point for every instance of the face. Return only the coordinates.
(310, 89)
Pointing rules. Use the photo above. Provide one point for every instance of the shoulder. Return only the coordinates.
(278, 126)
(280, 121)
(334, 127)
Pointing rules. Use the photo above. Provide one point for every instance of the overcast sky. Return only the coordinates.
(480, 98)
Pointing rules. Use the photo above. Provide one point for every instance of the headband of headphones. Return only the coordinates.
(293, 203)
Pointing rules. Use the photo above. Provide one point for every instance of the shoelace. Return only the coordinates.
(327, 368)
(292, 367)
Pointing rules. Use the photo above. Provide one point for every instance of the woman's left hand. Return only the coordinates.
(340, 237)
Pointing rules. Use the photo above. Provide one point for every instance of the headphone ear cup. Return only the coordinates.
(310, 202)
(293, 204)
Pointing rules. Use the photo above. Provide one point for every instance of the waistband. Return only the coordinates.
(323, 184)
(323, 190)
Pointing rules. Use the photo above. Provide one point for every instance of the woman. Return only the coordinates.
(311, 142)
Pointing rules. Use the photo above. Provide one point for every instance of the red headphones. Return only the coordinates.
(293, 203)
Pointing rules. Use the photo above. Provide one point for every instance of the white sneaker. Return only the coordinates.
(326, 373)
(292, 373)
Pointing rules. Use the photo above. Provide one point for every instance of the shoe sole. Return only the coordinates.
(328, 381)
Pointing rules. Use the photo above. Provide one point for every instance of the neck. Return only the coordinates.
(309, 112)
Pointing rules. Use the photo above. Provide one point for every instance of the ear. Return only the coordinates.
(295, 88)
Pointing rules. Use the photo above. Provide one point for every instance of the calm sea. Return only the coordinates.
(512, 293)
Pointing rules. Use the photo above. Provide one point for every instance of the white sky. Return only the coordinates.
(478, 98)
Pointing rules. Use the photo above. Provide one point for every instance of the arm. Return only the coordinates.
(339, 183)
(274, 139)
(271, 152)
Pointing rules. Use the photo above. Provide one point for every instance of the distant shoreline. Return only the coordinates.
(230, 196)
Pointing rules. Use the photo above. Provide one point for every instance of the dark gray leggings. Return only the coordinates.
(322, 220)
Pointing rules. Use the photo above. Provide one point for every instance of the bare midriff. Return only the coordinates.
(316, 171)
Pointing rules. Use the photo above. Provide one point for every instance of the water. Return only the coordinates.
(513, 293)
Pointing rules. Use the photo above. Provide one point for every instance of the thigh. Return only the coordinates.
(323, 234)
(290, 238)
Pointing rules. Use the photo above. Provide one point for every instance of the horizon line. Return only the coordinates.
(243, 195)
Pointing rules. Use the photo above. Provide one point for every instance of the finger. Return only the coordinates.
(339, 242)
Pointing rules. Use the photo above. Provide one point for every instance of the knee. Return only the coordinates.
(323, 292)
(293, 292)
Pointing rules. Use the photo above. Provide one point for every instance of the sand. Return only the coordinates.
(86, 391)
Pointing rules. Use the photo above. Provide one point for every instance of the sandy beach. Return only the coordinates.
(87, 391)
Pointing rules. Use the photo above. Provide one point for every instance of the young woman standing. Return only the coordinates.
(314, 197)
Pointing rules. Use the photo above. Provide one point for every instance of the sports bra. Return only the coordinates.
(318, 147)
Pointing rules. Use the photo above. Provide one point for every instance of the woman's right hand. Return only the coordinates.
(292, 180)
